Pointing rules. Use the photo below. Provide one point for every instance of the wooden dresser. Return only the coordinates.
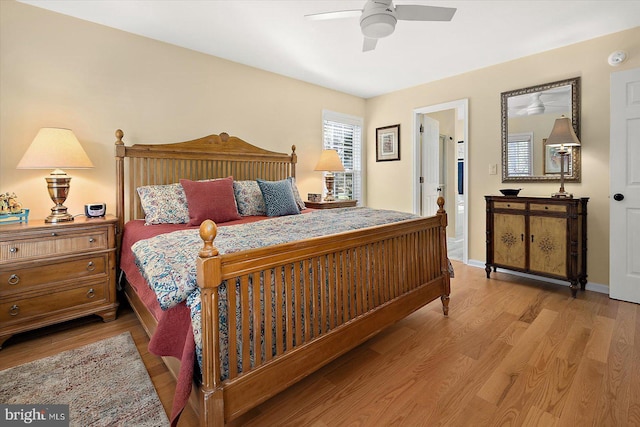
(544, 236)
(51, 273)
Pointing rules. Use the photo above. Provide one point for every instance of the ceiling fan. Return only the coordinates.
(378, 18)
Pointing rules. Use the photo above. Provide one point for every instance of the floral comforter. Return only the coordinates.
(167, 261)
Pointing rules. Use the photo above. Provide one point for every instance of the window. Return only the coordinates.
(343, 133)
(519, 153)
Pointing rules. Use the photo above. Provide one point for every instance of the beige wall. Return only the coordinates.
(483, 87)
(63, 72)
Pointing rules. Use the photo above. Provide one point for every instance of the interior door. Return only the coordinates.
(430, 165)
(624, 244)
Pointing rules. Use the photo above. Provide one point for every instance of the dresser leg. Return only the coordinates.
(574, 288)
(488, 270)
(108, 315)
(583, 282)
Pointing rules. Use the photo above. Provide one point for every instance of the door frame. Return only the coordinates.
(461, 106)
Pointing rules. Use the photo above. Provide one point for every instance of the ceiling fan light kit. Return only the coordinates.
(378, 26)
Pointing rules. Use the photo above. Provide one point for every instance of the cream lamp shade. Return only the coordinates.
(329, 162)
(55, 148)
(562, 136)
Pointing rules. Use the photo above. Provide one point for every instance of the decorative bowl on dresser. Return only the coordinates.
(545, 236)
(51, 273)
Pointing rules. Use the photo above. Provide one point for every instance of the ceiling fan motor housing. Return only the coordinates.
(378, 20)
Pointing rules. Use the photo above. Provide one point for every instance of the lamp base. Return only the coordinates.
(58, 217)
(328, 179)
(562, 195)
(58, 186)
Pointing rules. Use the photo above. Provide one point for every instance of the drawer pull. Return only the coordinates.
(54, 234)
(13, 249)
(91, 240)
(546, 207)
(91, 293)
(91, 266)
(14, 310)
(14, 279)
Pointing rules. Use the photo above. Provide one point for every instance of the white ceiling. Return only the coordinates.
(275, 36)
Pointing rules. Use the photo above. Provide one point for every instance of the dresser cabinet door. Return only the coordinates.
(548, 245)
(509, 240)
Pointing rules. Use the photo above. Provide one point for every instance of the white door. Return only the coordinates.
(624, 243)
(430, 165)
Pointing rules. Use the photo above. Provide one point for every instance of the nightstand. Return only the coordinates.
(51, 273)
(331, 205)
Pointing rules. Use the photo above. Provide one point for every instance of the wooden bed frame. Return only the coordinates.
(370, 278)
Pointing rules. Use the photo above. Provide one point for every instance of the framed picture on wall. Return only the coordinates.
(552, 160)
(388, 143)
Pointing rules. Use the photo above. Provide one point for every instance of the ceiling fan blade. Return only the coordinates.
(369, 44)
(424, 13)
(334, 15)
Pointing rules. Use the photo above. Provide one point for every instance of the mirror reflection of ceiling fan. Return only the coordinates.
(378, 18)
(551, 101)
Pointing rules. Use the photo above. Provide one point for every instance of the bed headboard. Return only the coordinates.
(213, 156)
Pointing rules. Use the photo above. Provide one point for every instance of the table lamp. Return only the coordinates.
(55, 148)
(329, 162)
(563, 136)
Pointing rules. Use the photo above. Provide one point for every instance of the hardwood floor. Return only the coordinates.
(513, 351)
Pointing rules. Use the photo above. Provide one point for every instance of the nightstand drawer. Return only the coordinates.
(19, 310)
(26, 278)
(52, 243)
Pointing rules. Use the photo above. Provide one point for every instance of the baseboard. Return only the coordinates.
(595, 287)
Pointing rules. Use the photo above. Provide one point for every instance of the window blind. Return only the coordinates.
(344, 134)
(519, 154)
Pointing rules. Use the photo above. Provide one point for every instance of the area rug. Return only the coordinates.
(104, 383)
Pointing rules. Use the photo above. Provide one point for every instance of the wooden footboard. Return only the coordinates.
(331, 294)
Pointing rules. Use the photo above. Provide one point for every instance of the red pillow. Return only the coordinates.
(214, 200)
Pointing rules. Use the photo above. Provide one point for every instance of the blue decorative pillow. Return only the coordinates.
(278, 197)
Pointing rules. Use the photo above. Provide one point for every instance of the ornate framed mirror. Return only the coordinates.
(528, 116)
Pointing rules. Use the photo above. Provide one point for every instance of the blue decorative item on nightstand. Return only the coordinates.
(12, 218)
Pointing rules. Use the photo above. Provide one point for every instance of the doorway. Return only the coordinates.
(443, 147)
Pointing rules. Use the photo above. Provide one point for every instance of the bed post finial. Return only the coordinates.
(119, 135)
(440, 203)
(294, 160)
(208, 232)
